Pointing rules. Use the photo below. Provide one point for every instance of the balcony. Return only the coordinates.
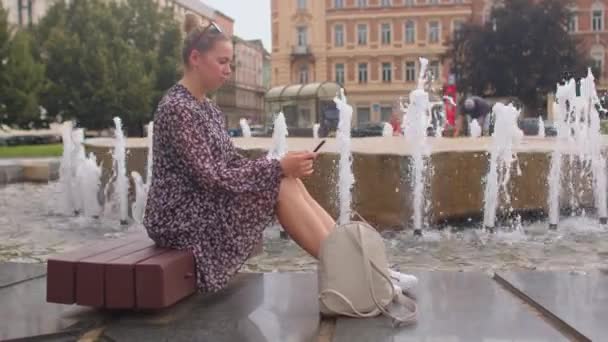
(300, 50)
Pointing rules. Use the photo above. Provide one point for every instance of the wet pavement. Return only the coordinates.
(278, 306)
(453, 306)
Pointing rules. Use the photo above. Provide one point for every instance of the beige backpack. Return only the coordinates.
(354, 276)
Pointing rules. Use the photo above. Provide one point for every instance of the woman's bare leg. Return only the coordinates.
(328, 222)
(299, 219)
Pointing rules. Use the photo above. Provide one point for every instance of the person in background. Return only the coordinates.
(474, 108)
(396, 123)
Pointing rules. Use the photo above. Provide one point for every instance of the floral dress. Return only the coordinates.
(204, 196)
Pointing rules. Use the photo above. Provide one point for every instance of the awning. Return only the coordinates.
(320, 90)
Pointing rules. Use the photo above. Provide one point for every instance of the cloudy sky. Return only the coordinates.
(251, 17)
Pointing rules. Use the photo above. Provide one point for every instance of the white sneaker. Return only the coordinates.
(402, 280)
(398, 290)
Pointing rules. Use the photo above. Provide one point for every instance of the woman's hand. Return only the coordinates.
(298, 164)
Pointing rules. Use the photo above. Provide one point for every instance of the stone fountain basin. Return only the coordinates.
(383, 190)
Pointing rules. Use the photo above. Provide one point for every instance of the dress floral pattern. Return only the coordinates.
(204, 196)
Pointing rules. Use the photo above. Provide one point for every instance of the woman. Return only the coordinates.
(204, 196)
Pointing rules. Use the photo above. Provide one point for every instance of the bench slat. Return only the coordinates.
(120, 277)
(163, 280)
(61, 269)
(90, 272)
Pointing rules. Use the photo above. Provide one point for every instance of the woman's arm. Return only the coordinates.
(210, 170)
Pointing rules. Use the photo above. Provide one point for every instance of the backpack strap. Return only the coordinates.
(369, 266)
(357, 313)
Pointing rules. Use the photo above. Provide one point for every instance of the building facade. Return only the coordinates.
(27, 12)
(588, 24)
(243, 95)
(371, 47)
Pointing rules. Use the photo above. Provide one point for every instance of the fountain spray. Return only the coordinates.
(415, 123)
(345, 174)
(279, 138)
(245, 128)
(315, 131)
(578, 125)
(122, 182)
(66, 175)
(502, 158)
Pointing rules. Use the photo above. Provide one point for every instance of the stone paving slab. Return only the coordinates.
(463, 306)
(12, 273)
(24, 313)
(255, 308)
(577, 300)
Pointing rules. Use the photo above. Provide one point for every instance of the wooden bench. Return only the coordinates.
(130, 273)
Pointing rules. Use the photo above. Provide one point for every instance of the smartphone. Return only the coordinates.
(319, 146)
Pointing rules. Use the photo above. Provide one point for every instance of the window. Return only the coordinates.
(458, 25)
(303, 74)
(597, 58)
(25, 10)
(408, 2)
(385, 113)
(597, 21)
(385, 30)
(434, 32)
(338, 3)
(387, 72)
(339, 35)
(410, 32)
(304, 118)
(597, 66)
(433, 2)
(362, 3)
(386, 3)
(410, 71)
(362, 72)
(363, 115)
(340, 73)
(434, 69)
(301, 4)
(573, 22)
(302, 36)
(362, 34)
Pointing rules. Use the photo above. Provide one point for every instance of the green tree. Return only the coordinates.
(105, 59)
(522, 51)
(23, 81)
(5, 34)
(77, 56)
(157, 35)
(169, 58)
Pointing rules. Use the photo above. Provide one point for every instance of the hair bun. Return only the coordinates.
(191, 22)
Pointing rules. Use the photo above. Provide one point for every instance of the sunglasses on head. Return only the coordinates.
(212, 28)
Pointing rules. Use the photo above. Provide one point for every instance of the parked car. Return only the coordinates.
(235, 132)
(369, 129)
(258, 131)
